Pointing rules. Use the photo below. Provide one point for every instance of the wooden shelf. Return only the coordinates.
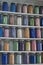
(24, 64)
(20, 26)
(21, 38)
(21, 51)
(18, 13)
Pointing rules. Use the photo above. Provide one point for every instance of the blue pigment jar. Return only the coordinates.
(13, 7)
(5, 6)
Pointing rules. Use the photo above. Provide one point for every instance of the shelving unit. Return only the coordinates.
(33, 2)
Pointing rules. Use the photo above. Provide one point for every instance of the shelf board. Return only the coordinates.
(21, 26)
(23, 64)
(21, 38)
(21, 51)
(18, 13)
